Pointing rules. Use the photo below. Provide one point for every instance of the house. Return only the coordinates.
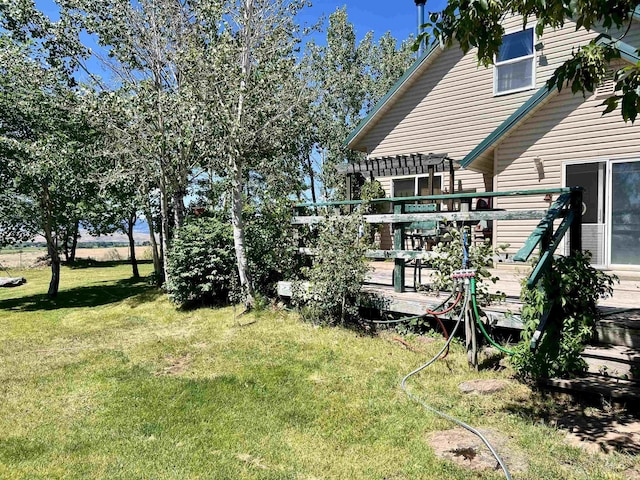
(507, 131)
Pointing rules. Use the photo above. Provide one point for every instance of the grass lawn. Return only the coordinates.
(110, 381)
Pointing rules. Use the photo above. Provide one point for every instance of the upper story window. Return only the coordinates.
(515, 63)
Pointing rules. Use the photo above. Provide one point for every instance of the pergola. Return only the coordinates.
(401, 165)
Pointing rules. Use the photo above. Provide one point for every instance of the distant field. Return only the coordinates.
(27, 257)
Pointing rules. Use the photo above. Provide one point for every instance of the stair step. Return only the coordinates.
(598, 389)
(619, 327)
(613, 361)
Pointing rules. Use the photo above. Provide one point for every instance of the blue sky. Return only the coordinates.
(380, 16)
(399, 16)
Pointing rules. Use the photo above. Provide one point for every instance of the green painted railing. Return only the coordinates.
(448, 196)
(407, 215)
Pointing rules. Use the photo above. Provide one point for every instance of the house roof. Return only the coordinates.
(627, 52)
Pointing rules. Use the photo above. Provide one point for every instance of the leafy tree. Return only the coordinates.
(348, 78)
(476, 24)
(117, 211)
(156, 49)
(45, 140)
(255, 91)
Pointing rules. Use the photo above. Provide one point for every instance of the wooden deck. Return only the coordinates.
(506, 314)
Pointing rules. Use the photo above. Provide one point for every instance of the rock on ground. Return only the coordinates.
(467, 450)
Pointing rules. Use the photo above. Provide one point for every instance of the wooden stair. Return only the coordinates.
(613, 363)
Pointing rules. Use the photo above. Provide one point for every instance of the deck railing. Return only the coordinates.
(408, 215)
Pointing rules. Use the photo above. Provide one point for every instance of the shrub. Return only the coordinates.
(337, 274)
(574, 287)
(201, 262)
(271, 248)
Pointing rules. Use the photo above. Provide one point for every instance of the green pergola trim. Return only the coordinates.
(383, 101)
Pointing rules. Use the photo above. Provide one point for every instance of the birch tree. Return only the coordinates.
(255, 87)
(150, 108)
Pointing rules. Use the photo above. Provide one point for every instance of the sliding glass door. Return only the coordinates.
(591, 177)
(625, 213)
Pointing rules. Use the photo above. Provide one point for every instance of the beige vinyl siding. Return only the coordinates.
(566, 129)
(450, 107)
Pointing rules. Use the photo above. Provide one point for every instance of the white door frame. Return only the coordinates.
(609, 209)
(606, 216)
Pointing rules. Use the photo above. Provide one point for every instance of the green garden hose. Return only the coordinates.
(477, 314)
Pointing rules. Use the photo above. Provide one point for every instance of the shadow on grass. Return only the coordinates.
(138, 291)
(605, 429)
(91, 263)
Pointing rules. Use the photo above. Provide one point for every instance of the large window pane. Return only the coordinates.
(404, 187)
(516, 45)
(514, 63)
(513, 76)
(425, 189)
(625, 213)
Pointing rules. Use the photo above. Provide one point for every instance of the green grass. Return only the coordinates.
(110, 381)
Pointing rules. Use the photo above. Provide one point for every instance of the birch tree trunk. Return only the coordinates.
(164, 215)
(237, 204)
(235, 163)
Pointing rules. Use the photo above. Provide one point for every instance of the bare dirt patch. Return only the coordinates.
(467, 450)
(176, 365)
(483, 387)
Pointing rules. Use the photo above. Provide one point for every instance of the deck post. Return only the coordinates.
(575, 231)
(398, 244)
(471, 341)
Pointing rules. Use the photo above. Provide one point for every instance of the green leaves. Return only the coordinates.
(338, 272)
(573, 286)
(202, 263)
